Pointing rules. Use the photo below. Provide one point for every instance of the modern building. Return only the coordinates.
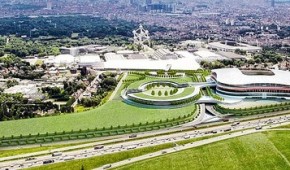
(232, 46)
(252, 83)
(62, 60)
(205, 55)
(89, 60)
(29, 91)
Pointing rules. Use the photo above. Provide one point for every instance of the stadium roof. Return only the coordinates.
(234, 76)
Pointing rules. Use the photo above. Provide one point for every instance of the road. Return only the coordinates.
(182, 147)
(118, 86)
(86, 91)
(151, 141)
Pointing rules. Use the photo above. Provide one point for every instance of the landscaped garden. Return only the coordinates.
(161, 91)
(112, 118)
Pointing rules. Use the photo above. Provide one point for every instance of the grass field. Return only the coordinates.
(113, 113)
(267, 150)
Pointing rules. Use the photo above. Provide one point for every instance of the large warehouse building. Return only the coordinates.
(252, 83)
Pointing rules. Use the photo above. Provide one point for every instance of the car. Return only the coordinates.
(235, 123)
(30, 159)
(131, 147)
(228, 129)
(133, 136)
(99, 147)
(186, 137)
(214, 131)
(107, 166)
(163, 152)
(48, 161)
(258, 127)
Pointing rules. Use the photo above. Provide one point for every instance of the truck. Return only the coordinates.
(227, 130)
(67, 158)
(56, 154)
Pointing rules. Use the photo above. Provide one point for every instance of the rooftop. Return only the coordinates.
(234, 76)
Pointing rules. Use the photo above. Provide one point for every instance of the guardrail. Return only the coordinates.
(253, 110)
(94, 133)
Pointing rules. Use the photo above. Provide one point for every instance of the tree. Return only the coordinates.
(152, 92)
(43, 66)
(159, 93)
(84, 71)
(166, 93)
(11, 83)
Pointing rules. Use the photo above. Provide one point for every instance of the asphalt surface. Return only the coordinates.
(247, 127)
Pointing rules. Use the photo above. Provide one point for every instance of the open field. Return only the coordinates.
(113, 113)
(267, 150)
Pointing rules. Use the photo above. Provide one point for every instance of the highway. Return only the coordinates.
(246, 127)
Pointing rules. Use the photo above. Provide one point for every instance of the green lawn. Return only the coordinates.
(113, 113)
(186, 92)
(251, 152)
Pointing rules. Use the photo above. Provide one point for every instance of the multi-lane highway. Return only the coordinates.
(247, 127)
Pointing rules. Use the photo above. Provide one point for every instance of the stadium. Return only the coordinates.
(252, 83)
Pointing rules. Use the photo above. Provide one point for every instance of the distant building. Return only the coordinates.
(89, 60)
(60, 60)
(29, 91)
(148, 2)
(49, 5)
(220, 46)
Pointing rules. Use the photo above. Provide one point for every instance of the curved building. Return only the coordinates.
(252, 83)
